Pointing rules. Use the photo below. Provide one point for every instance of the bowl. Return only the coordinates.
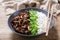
(16, 14)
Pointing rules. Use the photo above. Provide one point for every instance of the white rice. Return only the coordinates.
(41, 21)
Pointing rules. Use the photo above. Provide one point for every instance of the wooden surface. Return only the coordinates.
(7, 34)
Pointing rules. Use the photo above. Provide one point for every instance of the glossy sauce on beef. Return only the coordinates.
(21, 22)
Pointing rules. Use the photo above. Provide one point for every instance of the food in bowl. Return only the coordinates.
(30, 22)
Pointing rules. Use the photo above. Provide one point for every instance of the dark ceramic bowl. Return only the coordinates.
(16, 14)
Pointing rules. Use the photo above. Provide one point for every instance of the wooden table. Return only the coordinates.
(7, 34)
